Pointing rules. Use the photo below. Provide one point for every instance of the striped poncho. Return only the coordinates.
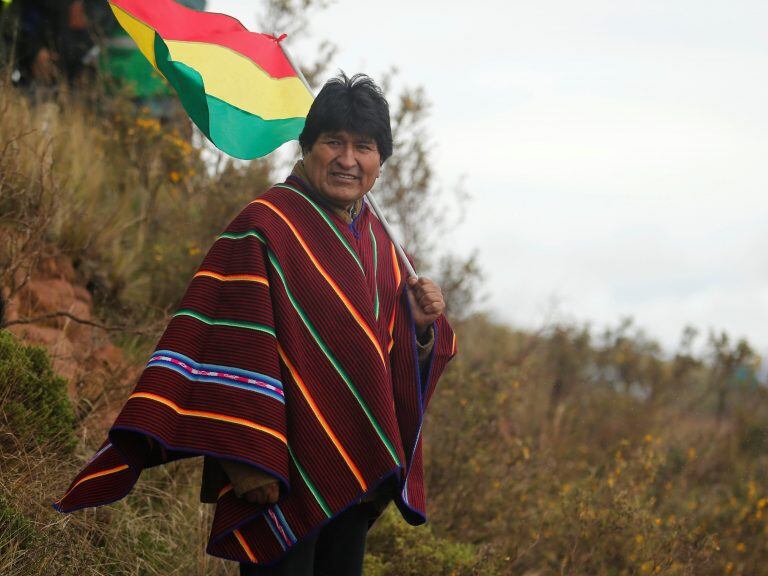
(293, 351)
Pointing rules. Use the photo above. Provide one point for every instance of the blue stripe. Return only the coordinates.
(274, 530)
(284, 522)
(215, 380)
(218, 368)
(99, 453)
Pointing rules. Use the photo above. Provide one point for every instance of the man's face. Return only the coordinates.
(342, 166)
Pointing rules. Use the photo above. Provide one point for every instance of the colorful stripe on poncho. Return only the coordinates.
(237, 86)
(293, 351)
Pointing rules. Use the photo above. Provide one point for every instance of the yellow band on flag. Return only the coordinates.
(143, 35)
(233, 78)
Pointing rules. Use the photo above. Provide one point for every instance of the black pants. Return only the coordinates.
(337, 549)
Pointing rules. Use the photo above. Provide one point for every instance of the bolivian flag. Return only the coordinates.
(237, 86)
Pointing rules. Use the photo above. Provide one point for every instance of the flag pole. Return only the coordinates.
(369, 196)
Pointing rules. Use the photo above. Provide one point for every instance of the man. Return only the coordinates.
(300, 364)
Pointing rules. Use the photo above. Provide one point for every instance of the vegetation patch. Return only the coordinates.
(34, 399)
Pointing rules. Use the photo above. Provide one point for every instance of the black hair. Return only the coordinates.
(356, 105)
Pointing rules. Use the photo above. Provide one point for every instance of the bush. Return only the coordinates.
(397, 549)
(34, 400)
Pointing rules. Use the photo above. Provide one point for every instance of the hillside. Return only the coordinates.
(559, 452)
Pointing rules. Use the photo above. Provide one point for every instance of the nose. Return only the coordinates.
(346, 158)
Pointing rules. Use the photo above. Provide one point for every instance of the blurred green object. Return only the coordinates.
(124, 63)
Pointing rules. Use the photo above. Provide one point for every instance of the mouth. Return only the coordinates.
(344, 176)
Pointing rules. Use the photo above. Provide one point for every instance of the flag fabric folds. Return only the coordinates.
(237, 86)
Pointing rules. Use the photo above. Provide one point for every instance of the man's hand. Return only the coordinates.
(426, 302)
(263, 495)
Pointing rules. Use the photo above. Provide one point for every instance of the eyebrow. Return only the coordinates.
(360, 139)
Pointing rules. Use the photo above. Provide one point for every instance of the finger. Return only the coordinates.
(435, 308)
(252, 496)
(427, 299)
(421, 293)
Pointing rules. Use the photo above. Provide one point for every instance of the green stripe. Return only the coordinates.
(375, 271)
(220, 322)
(235, 131)
(323, 504)
(327, 221)
(240, 235)
(334, 362)
(245, 135)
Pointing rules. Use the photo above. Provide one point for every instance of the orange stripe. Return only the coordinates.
(395, 265)
(245, 546)
(233, 277)
(398, 280)
(392, 329)
(453, 345)
(352, 310)
(94, 475)
(321, 419)
(225, 490)
(209, 415)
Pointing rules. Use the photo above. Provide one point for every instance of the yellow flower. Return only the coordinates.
(194, 250)
(741, 547)
(691, 453)
(639, 538)
(175, 176)
(658, 521)
(762, 503)
(729, 568)
(648, 438)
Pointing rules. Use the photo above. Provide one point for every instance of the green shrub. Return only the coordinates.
(397, 549)
(34, 403)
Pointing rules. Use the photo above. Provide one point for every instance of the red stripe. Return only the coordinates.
(173, 21)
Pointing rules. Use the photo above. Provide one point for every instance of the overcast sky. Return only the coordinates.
(616, 151)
